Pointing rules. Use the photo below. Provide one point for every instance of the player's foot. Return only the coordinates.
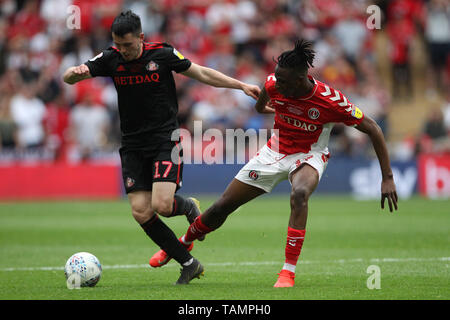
(194, 270)
(285, 279)
(193, 213)
(161, 257)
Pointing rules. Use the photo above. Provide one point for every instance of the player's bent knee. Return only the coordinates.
(299, 196)
(163, 207)
(142, 216)
(141, 213)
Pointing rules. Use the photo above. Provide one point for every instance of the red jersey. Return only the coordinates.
(304, 124)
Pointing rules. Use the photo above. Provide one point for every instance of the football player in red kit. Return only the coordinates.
(305, 112)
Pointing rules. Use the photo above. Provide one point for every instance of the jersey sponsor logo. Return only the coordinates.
(299, 124)
(254, 175)
(313, 113)
(356, 112)
(152, 66)
(132, 80)
(178, 54)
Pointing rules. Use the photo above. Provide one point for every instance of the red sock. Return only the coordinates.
(294, 245)
(196, 230)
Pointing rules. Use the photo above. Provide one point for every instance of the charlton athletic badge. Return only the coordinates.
(152, 66)
(130, 182)
(313, 113)
(253, 175)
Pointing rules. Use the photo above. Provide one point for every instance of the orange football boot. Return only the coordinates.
(285, 279)
(161, 258)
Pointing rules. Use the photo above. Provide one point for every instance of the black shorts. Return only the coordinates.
(140, 168)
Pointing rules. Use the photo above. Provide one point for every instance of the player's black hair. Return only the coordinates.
(126, 22)
(300, 58)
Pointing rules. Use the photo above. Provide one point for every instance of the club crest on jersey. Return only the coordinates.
(313, 113)
(130, 182)
(152, 66)
(254, 175)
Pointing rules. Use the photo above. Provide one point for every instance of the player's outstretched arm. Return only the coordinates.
(388, 190)
(218, 79)
(75, 74)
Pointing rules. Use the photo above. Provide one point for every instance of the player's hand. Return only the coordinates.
(268, 109)
(81, 70)
(251, 90)
(389, 192)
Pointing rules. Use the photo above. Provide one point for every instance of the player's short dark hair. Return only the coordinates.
(126, 22)
(300, 58)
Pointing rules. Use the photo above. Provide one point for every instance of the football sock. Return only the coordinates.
(164, 237)
(180, 206)
(195, 230)
(294, 245)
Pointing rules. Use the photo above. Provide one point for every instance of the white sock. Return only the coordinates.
(184, 241)
(188, 263)
(289, 267)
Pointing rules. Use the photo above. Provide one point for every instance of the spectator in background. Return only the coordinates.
(437, 36)
(56, 125)
(55, 12)
(351, 33)
(3, 44)
(28, 113)
(434, 137)
(434, 126)
(446, 112)
(81, 52)
(404, 19)
(8, 128)
(89, 125)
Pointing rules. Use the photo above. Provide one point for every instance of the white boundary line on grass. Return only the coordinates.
(245, 263)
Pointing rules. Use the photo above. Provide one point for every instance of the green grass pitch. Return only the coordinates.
(344, 237)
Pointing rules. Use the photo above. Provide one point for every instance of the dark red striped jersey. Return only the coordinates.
(304, 124)
(146, 91)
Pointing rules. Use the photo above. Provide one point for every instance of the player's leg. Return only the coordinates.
(138, 185)
(168, 204)
(166, 177)
(167, 173)
(236, 194)
(156, 229)
(304, 181)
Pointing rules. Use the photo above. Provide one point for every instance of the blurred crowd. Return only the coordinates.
(40, 116)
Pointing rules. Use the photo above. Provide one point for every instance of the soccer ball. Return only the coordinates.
(83, 269)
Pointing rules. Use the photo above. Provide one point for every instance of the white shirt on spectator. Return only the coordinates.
(28, 114)
(89, 123)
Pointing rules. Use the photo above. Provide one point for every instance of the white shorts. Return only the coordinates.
(268, 168)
